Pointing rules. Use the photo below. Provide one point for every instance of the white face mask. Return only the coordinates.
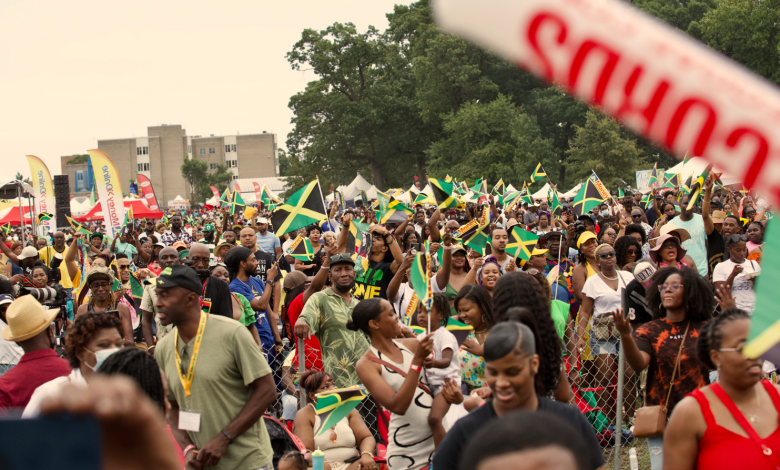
(604, 213)
(100, 357)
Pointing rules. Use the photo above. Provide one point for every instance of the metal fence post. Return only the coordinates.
(301, 369)
(619, 408)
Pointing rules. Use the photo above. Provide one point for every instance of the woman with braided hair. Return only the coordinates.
(732, 423)
(101, 281)
(681, 301)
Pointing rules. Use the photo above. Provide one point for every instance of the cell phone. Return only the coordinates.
(113, 312)
(416, 246)
(72, 442)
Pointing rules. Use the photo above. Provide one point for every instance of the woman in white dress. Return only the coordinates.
(391, 370)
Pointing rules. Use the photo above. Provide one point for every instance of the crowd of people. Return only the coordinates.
(203, 313)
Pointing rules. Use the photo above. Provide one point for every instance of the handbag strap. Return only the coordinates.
(676, 366)
(729, 403)
(398, 371)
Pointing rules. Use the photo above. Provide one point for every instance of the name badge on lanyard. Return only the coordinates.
(189, 420)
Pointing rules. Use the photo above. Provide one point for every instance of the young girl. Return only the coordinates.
(443, 365)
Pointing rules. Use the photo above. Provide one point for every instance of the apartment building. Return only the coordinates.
(160, 154)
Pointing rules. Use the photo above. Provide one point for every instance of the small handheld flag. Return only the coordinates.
(335, 405)
(43, 217)
(391, 210)
(521, 243)
(538, 173)
(304, 207)
(499, 188)
(590, 195)
(301, 249)
(443, 194)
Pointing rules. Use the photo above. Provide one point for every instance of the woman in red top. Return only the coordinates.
(732, 423)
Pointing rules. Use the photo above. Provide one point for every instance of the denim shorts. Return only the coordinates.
(609, 346)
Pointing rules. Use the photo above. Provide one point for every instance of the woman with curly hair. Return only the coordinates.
(485, 272)
(681, 301)
(410, 238)
(92, 338)
(524, 291)
(628, 250)
(475, 308)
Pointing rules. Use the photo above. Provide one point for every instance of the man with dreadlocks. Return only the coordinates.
(100, 280)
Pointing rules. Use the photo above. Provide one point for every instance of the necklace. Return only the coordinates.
(609, 278)
(754, 417)
(249, 286)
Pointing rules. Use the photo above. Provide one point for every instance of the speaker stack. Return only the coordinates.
(62, 199)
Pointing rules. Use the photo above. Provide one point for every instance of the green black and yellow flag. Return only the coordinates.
(6, 228)
(301, 249)
(237, 204)
(423, 198)
(226, 198)
(646, 201)
(303, 208)
(653, 176)
(43, 217)
(621, 195)
(590, 195)
(475, 232)
(673, 179)
(335, 405)
(552, 200)
(77, 226)
(499, 188)
(764, 337)
(698, 187)
(391, 211)
(443, 193)
(420, 277)
(477, 186)
(538, 173)
(521, 243)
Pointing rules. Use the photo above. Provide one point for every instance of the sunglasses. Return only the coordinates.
(666, 246)
(632, 252)
(675, 287)
(607, 255)
(123, 267)
(99, 285)
(636, 216)
(738, 238)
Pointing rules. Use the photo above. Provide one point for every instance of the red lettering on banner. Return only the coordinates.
(606, 72)
(760, 156)
(651, 109)
(533, 29)
(679, 116)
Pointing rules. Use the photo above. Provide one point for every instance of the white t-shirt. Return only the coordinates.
(741, 288)
(10, 352)
(443, 339)
(605, 300)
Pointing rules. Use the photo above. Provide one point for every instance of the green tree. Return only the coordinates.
(684, 15)
(20, 177)
(747, 31)
(219, 178)
(284, 162)
(194, 172)
(78, 159)
(601, 145)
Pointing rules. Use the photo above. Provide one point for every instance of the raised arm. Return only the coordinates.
(344, 234)
(321, 278)
(443, 276)
(433, 224)
(397, 280)
(70, 256)
(7, 251)
(400, 230)
(709, 226)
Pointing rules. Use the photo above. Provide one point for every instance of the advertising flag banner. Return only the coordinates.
(657, 81)
(109, 189)
(215, 192)
(258, 193)
(146, 189)
(44, 192)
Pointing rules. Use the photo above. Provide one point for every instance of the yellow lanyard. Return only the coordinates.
(186, 381)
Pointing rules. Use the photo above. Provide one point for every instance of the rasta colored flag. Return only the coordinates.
(698, 187)
(552, 199)
(673, 179)
(43, 217)
(391, 210)
(443, 193)
(237, 203)
(653, 176)
(521, 243)
(538, 173)
(420, 277)
(335, 405)
(303, 208)
(500, 187)
(226, 198)
(474, 234)
(590, 195)
(301, 249)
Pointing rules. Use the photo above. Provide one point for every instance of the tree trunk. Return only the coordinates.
(562, 178)
(377, 175)
(421, 170)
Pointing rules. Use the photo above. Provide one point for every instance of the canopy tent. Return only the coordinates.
(572, 192)
(79, 208)
(695, 166)
(140, 211)
(542, 193)
(9, 188)
(11, 216)
(352, 190)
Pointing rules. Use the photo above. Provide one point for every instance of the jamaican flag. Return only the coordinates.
(474, 234)
(391, 211)
(521, 243)
(500, 187)
(538, 173)
(477, 188)
(590, 195)
(448, 179)
(443, 193)
(6, 228)
(339, 199)
(423, 198)
(335, 405)
(673, 179)
(459, 330)
(552, 199)
(463, 187)
(698, 187)
(128, 217)
(78, 227)
(646, 201)
(764, 337)
(303, 208)
(225, 199)
(420, 277)
(237, 203)
(653, 176)
(508, 199)
(301, 249)
(268, 199)
(358, 240)
(43, 217)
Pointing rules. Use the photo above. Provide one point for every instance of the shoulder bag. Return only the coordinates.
(651, 420)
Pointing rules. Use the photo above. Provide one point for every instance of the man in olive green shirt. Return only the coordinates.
(230, 385)
(325, 315)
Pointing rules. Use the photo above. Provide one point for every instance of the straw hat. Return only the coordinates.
(718, 217)
(681, 233)
(26, 318)
(99, 272)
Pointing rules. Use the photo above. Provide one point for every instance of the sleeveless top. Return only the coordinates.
(587, 353)
(720, 448)
(410, 438)
(342, 448)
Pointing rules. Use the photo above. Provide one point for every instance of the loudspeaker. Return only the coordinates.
(62, 200)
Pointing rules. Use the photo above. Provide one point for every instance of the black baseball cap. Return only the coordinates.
(179, 276)
(342, 258)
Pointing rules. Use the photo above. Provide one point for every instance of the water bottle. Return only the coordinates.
(318, 460)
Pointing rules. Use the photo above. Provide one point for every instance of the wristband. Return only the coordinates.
(415, 368)
(326, 268)
(447, 247)
(187, 449)
(370, 454)
(227, 435)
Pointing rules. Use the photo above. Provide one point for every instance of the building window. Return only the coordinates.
(232, 163)
(227, 148)
(142, 150)
(233, 147)
(201, 151)
(212, 166)
(143, 167)
(189, 149)
(235, 177)
(212, 151)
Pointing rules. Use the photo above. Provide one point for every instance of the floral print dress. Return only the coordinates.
(472, 368)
